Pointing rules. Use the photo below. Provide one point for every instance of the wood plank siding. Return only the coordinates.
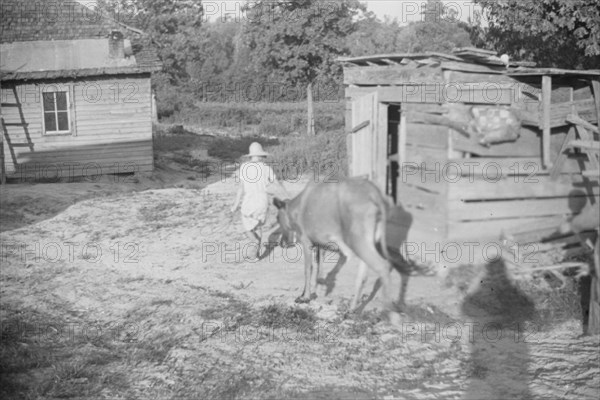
(110, 126)
(454, 187)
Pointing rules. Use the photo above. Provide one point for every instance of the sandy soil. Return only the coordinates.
(159, 267)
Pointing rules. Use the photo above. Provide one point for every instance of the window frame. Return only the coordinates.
(67, 89)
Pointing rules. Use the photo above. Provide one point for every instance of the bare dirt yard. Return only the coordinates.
(141, 288)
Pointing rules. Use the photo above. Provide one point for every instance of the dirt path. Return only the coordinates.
(163, 304)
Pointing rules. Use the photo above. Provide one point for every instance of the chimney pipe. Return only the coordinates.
(116, 47)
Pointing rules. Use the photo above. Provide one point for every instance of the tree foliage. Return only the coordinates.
(439, 30)
(298, 41)
(553, 33)
(171, 25)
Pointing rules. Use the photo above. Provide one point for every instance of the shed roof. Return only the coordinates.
(54, 24)
(483, 59)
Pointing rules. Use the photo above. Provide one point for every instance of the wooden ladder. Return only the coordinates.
(580, 136)
(6, 137)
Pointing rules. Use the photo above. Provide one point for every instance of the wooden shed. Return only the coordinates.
(76, 96)
(415, 128)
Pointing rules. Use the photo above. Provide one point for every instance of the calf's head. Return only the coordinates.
(288, 234)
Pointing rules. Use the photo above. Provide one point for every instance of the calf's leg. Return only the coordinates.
(308, 271)
(361, 278)
(369, 254)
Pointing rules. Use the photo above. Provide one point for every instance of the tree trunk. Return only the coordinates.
(310, 126)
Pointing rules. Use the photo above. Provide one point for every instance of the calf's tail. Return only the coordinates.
(380, 230)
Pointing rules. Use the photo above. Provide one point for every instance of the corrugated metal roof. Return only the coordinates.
(66, 20)
(58, 55)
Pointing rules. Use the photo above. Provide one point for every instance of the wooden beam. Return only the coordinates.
(388, 61)
(421, 117)
(596, 89)
(509, 188)
(360, 126)
(391, 75)
(438, 93)
(562, 155)
(546, 104)
(494, 210)
(574, 119)
(585, 144)
(559, 112)
(469, 67)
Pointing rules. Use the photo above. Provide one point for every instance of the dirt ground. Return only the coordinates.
(142, 289)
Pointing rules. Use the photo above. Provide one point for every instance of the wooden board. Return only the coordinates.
(414, 198)
(89, 170)
(507, 188)
(438, 93)
(381, 146)
(493, 229)
(418, 154)
(472, 68)
(426, 135)
(527, 145)
(427, 226)
(364, 140)
(431, 180)
(491, 210)
(469, 77)
(391, 75)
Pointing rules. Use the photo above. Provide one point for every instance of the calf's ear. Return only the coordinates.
(279, 203)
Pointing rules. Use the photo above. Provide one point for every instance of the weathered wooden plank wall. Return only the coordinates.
(111, 126)
(454, 187)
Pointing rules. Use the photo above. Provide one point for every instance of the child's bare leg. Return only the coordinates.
(255, 236)
(258, 233)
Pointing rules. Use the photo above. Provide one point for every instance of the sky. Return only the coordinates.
(404, 10)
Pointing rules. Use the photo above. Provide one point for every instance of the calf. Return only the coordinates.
(350, 213)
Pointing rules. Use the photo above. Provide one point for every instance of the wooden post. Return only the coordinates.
(153, 108)
(381, 132)
(348, 124)
(596, 88)
(546, 96)
(2, 167)
(594, 319)
(402, 132)
(310, 126)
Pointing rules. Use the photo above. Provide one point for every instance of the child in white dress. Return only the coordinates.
(255, 176)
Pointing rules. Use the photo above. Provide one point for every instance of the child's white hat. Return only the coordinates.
(256, 150)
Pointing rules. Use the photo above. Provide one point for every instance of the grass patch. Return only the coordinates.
(38, 361)
(156, 347)
(281, 316)
(158, 212)
(553, 305)
(232, 312)
(262, 118)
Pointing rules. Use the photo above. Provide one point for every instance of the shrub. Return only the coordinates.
(324, 154)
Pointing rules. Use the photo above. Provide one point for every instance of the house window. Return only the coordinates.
(56, 112)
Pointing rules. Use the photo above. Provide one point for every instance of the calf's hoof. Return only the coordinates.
(395, 319)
